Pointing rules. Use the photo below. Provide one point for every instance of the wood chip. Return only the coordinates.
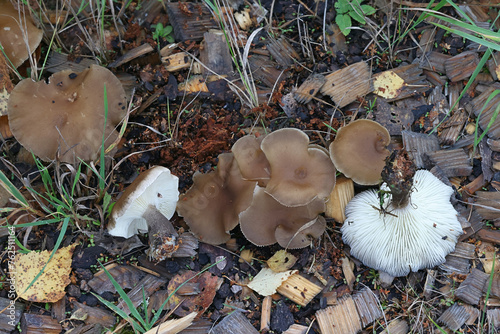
(452, 127)
(398, 326)
(453, 162)
(417, 144)
(348, 273)
(341, 194)
(471, 289)
(282, 51)
(346, 85)
(177, 61)
(265, 316)
(264, 70)
(434, 61)
(340, 319)
(299, 289)
(495, 285)
(39, 324)
(489, 235)
(309, 88)
(234, 323)
(393, 118)
(494, 66)
(92, 315)
(296, 329)
(487, 204)
(149, 284)
(173, 326)
(11, 316)
(214, 53)
(454, 317)
(429, 286)
(126, 276)
(368, 306)
(190, 20)
(132, 54)
(461, 66)
(493, 318)
(485, 112)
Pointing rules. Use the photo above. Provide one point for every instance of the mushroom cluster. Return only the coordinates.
(68, 112)
(274, 186)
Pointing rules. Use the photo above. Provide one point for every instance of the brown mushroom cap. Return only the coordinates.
(266, 219)
(13, 33)
(293, 239)
(212, 205)
(67, 114)
(299, 174)
(251, 160)
(359, 151)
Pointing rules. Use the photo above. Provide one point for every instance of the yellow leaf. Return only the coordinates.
(388, 84)
(267, 281)
(49, 287)
(281, 261)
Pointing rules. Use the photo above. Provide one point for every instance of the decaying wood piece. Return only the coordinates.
(429, 286)
(489, 235)
(435, 78)
(214, 53)
(126, 276)
(340, 319)
(92, 315)
(149, 284)
(11, 316)
(458, 261)
(494, 65)
(417, 144)
(495, 285)
(264, 70)
(398, 326)
(309, 88)
(426, 42)
(473, 312)
(454, 317)
(367, 305)
(487, 204)
(493, 144)
(485, 112)
(341, 194)
(282, 51)
(348, 273)
(173, 326)
(200, 326)
(434, 61)
(393, 118)
(299, 289)
(39, 324)
(461, 66)
(474, 219)
(453, 162)
(235, 323)
(265, 316)
(471, 289)
(177, 61)
(452, 127)
(190, 20)
(132, 54)
(194, 84)
(346, 85)
(296, 329)
(493, 316)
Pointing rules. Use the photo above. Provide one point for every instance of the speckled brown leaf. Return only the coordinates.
(49, 287)
(208, 285)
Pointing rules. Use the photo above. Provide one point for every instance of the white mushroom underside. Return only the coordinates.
(417, 236)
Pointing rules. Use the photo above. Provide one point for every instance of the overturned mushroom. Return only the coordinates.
(405, 230)
(299, 174)
(266, 222)
(211, 206)
(147, 205)
(68, 113)
(19, 37)
(359, 151)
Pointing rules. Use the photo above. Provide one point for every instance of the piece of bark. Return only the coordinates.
(458, 261)
(485, 112)
(264, 69)
(435, 78)
(475, 220)
(148, 285)
(452, 127)
(368, 306)
(393, 118)
(486, 162)
(189, 20)
(493, 144)
(495, 285)
(200, 326)
(434, 61)
(471, 289)
(474, 314)
(494, 65)
(126, 276)
(346, 85)
(282, 51)
(493, 316)
(426, 41)
(397, 326)
(429, 286)
(417, 144)
(454, 317)
(39, 324)
(453, 162)
(489, 235)
(342, 318)
(299, 289)
(487, 204)
(235, 323)
(461, 66)
(132, 54)
(214, 54)
(265, 316)
(11, 316)
(309, 88)
(93, 315)
(58, 309)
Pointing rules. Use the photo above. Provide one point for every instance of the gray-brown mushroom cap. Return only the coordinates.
(67, 114)
(359, 151)
(14, 34)
(212, 205)
(251, 160)
(292, 238)
(266, 220)
(299, 174)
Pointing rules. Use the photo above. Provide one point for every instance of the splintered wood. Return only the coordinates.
(341, 194)
(299, 289)
(452, 162)
(486, 111)
(309, 88)
(264, 70)
(235, 323)
(471, 289)
(454, 317)
(282, 52)
(417, 144)
(458, 261)
(190, 20)
(346, 85)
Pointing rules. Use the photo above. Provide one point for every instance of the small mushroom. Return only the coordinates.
(399, 239)
(359, 151)
(68, 113)
(251, 160)
(266, 221)
(212, 205)
(147, 204)
(299, 174)
(19, 37)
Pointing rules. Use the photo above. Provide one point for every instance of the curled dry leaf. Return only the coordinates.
(281, 261)
(49, 286)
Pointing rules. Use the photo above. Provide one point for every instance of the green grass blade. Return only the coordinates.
(120, 312)
(12, 190)
(102, 166)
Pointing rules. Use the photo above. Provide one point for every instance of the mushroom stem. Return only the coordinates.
(161, 235)
(398, 174)
(157, 222)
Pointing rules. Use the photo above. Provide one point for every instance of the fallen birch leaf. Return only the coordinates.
(49, 287)
(388, 84)
(267, 281)
(281, 261)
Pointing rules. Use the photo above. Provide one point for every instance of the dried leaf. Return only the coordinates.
(49, 287)
(388, 84)
(267, 281)
(281, 261)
